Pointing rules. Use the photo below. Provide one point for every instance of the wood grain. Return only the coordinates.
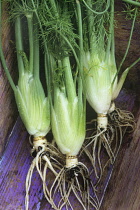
(8, 114)
(13, 169)
(16, 160)
(123, 191)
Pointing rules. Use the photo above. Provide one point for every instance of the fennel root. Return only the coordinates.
(47, 156)
(123, 119)
(71, 161)
(74, 184)
(102, 121)
(102, 145)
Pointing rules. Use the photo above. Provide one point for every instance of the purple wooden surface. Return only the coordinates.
(123, 191)
(14, 166)
(15, 163)
(13, 169)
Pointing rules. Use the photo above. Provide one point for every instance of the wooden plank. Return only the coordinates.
(13, 170)
(8, 113)
(14, 166)
(123, 191)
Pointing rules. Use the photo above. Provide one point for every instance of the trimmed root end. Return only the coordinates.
(102, 121)
(39, 142)
(71, 161)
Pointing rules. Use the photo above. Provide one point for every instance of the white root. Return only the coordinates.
(123, 118)
(73, 180)
(110, 137)
(42, 162)
(28, 184)
(94, 144)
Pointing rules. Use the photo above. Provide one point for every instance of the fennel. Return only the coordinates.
(67, 106)
(32, 103)
(101, 82)
(79, 61)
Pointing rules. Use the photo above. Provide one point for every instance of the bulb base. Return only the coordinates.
(71, 161)
(39, 141)
(102, 121)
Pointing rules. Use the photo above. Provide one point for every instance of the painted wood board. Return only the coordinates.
(123, 192)
(13, 170)
(8, 113)
(15, 164)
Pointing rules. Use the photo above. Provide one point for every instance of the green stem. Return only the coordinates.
(31, 42)
(47, 57)
(133, 64)
(53, 87)
(2, 55)
(19, 46)
(111, 32)
(48, 74)
(113, 47)
(90, 28)
(41, 28)
(129, 41)
(122, 80)
(132, 2)
(36, 52)
(71, 93)
(95, 12)
(73, 50)
(80, 30)
(46, 67)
